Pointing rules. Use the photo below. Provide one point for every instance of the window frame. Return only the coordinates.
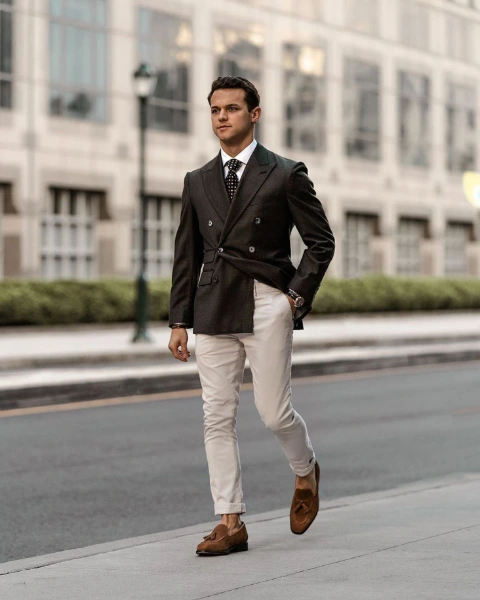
(421, 41)
(320, 145)
(154, 101)
(56, 225)
(63, 89)
(159, 258)
(452, 162)
(356, 264)
(6, 76)
(405, 149)
(450, 262)
(407, 244)
(356, 136)
(243, 31)
(459, 38)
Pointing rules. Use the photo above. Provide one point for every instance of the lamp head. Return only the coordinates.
(144, 80)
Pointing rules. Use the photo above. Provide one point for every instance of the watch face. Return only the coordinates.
(299, 302)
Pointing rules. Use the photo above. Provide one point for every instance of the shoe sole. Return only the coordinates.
(237, 548)
(315, 515)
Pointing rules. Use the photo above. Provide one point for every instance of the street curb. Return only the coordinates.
(302, 366)
(36, 562)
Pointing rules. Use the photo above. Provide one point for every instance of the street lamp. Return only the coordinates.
(144, 83)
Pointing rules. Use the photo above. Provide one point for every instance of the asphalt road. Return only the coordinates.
(81, 477)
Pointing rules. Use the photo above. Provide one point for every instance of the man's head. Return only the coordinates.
(234, 105)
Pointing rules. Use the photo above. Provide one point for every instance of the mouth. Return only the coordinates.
(222, 127)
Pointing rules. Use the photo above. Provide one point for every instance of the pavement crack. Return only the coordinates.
(336, 562)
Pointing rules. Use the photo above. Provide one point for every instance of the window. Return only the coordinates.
(459, 38)
(78, 59)
(358, 256)
(6, 53)
(305, 97)
(415, 25)
(239, 53)
(362, 16)
(410, 234)
(361, 108)
(461, 128)
(414, 119)
(166, 42)
(457, 236)
(163, 216)
(68, 237)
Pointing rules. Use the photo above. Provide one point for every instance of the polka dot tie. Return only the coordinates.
(231, 180)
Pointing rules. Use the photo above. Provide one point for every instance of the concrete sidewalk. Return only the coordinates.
(420, 541)
(87, 344)
(44, 366)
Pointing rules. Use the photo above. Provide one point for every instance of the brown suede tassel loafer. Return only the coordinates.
(305, 505)
(219, 542)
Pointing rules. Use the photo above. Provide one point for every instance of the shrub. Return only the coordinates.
(29, 302)
(379, 293)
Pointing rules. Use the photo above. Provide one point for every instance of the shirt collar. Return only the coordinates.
(244, 155)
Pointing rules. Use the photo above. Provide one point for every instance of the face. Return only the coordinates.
(231, 120)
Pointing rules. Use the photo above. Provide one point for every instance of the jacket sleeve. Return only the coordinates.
(311, 222)
(187, 260)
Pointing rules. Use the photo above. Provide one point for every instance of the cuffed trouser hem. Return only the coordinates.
(229, 509)
(306, 471)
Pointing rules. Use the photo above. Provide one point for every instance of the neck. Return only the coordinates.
(234, 148)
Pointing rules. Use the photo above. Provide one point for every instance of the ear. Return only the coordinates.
(256, 112)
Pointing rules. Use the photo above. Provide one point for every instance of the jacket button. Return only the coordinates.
(257, 220)
(210, 223)
(220, 250)
(251, 249)
(215, 279)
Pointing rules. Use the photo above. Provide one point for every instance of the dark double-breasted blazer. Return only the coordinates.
(244, 240)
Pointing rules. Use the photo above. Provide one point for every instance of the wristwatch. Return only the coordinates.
(297, 299)
(177, 325)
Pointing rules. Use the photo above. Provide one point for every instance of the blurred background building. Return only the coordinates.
(380, 98)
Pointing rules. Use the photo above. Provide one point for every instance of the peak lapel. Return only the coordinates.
(256, 171)
(214, 185)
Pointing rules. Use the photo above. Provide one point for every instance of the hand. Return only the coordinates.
(178, 344)
(292, 305)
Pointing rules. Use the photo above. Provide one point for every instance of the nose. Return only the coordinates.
(222, 115)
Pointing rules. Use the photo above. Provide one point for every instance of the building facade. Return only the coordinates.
(380, 99)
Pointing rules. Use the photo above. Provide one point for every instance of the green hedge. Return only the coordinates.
(378, 293)
(113, 301)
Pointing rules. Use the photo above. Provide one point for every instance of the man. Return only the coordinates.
(233, 282)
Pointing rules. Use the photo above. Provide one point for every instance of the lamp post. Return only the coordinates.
(144, 82)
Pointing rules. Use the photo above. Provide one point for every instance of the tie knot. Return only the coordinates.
(233, 164)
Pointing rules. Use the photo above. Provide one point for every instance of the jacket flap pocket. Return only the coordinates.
(205, 278)
(208, 256)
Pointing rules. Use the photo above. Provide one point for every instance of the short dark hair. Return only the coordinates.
(252, 97)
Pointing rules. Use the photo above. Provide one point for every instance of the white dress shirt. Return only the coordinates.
(243, 157)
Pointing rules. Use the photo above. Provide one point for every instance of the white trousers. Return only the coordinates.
(221, 361)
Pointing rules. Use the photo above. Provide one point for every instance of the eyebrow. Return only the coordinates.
(228, 105)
